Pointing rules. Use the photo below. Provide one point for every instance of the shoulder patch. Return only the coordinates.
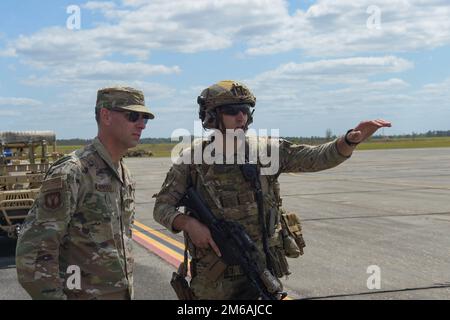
(53, 200)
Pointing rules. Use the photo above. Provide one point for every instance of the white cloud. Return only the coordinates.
(358, 87)
(134, 3)
(349, 69)
(113, 70)
(437, 88)
(85, 93)
(328, 28)
(291, 80)
(331, 28)
(9, 52)
(6, 101)
(58, 46)
(99, 5)
(9, 113)
(107, 8)
(179, 25)
(436, 96)
(101, 71)
(307, 98)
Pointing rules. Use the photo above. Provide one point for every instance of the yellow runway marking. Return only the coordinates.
(160, 246)
(160, 235)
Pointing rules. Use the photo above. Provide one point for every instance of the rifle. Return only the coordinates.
(236, 247)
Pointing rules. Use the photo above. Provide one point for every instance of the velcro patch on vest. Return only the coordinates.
(52, 184)
(233, 199)
(52, 200)
(104, 187)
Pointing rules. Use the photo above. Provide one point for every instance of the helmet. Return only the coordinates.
(223, 93)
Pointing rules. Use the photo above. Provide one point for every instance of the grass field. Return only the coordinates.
(164, 149)
(402, 143)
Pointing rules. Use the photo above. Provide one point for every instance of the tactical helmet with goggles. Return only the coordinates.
(224, 94)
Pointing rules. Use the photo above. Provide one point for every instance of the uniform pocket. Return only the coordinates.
(292, 228)
(279, 264)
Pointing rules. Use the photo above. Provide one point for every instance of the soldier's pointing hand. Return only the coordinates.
(365, 129)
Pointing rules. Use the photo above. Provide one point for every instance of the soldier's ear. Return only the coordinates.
(105, 116)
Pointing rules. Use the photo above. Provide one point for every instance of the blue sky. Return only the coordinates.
(313, 65)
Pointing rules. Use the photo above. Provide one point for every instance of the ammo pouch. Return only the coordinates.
(278, 263)
(293, 242)
(180, 284)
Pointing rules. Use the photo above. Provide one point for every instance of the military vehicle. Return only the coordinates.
(24, 159)
(139, 153)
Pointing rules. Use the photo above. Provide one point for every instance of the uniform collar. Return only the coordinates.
(104, 154)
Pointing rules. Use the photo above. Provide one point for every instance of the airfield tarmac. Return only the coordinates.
(384, 208)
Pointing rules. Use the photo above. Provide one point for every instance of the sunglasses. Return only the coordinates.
(233, 110)
(133, 116)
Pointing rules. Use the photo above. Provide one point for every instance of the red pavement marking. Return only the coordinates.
(148, 245)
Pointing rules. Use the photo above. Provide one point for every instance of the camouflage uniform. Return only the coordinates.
(83, 217)
(231, 197)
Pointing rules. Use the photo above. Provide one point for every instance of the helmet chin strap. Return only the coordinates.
(219, 122)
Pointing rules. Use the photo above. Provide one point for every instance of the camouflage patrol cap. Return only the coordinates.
(226, 92)
(125, 98)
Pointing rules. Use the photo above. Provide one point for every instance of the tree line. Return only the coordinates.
(308, 140)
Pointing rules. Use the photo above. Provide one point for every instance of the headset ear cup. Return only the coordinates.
(201, 100)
